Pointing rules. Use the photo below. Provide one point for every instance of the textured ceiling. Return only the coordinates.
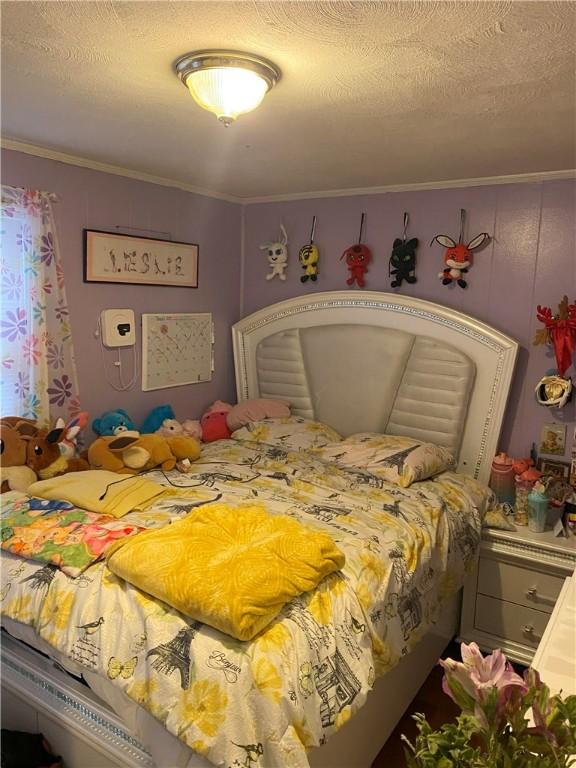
(372, 93)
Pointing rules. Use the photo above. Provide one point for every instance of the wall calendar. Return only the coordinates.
(177, 349)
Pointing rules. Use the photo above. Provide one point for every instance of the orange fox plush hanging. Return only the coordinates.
(458, 257)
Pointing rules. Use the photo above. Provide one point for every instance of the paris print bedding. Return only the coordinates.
(299, 680)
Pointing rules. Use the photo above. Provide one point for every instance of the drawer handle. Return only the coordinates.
(528, 629)
(532, 594)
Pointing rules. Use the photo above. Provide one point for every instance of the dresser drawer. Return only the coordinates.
(510, 621)
(518, 584)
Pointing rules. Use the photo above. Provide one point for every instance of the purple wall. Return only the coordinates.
(102, 201)
(530, 260)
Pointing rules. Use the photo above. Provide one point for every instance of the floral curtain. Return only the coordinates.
(36, 354)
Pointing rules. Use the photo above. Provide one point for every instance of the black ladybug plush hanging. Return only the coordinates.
(403, 259)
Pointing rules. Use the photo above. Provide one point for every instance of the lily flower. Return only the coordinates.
(491, 670)
(470, 682)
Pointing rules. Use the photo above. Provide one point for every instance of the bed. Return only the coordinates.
(356, 362)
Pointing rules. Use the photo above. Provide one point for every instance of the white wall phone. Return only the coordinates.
(118, 327)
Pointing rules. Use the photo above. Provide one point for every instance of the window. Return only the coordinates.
(36, 354)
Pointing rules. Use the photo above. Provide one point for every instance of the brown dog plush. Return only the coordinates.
(14, 474)
(130, 455)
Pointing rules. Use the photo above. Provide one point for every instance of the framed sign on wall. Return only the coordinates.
(113, 258)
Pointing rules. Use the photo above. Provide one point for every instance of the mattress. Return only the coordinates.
(271, 699)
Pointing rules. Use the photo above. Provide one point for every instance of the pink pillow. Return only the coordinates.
(256, 410)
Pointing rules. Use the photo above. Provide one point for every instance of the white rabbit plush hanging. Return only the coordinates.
(277, 256)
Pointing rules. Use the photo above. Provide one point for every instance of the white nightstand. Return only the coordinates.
(509, 597)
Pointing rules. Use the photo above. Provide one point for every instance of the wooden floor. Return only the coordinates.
(431, 701)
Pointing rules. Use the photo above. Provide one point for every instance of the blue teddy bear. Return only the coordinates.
(113, 423)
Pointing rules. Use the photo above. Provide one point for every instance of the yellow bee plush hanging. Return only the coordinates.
(308, 257)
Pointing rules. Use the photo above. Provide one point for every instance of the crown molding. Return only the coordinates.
(484, 181)
(83, 162)
(95, 165)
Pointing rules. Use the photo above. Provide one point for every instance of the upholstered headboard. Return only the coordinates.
(365, 361)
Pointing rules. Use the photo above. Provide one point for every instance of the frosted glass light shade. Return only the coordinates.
(227, 92)
(227, 83)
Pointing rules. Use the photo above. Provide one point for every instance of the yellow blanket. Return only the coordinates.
(99, 491)
(233, 568)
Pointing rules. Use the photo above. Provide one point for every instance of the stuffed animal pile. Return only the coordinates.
(29, 453)
(161, 421)
(217, 422)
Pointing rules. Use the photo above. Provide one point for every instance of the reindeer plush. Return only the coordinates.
(277, 256)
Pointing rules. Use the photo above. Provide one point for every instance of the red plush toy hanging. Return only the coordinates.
(458, 257)
(560, 331)
(357, 259)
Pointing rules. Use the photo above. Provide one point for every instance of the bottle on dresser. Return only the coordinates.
(524, 476)
(537, 508)
(502, 478)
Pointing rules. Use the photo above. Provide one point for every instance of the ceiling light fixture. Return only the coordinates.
(227, 83)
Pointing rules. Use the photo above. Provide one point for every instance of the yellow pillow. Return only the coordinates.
(231, 568)
(99, 491)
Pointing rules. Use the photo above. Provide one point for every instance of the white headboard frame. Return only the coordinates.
(492, 353)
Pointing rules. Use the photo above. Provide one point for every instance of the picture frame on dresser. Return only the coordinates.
(560, 469)
(553, 439)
